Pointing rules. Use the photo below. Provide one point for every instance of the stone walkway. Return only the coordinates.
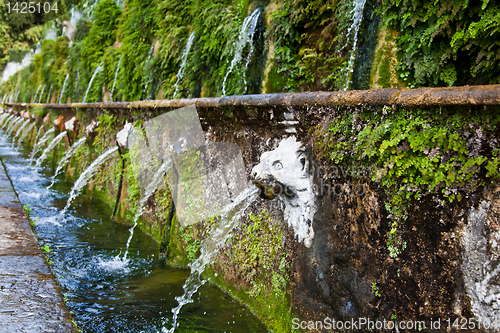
(30, 298)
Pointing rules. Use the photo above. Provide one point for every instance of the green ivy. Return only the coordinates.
(445, 154)
(446, 42)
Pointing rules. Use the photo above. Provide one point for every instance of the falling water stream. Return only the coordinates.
(185, 53)
(14, 125)
(245, 37)
(114, 80)
(219, 234)
(41, 94)
(20, 131)
(62, 163)
(63, 88)
(25, 133)
(36, 93)
(96, 71)
(51, 146)
(134, 300)
(85, 177)
(352, 34)
(40, 143)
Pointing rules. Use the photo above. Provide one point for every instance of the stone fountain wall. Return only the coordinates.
(446, 270)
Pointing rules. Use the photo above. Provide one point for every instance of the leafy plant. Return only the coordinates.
(446, 42)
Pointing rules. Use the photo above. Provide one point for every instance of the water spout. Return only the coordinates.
(51, 146)
(219, 234)
(245, 37)
(62, 163)
(85, 177)
(180, 73)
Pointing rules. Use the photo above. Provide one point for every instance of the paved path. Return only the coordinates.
(30, 298)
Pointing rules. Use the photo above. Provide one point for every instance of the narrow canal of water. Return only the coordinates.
(138, 298)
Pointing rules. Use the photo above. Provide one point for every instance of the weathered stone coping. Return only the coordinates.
(30, 298)
(460, 96)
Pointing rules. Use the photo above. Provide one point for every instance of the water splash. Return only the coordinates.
(180, 73)
(51, 146)
(62, 163)
(114, 80)
(97, 70)
(28, 130)
(39, 144)
(352, 34)
(36, 93)
(219, 234)
(85, 177)
(245, 37)
(63, 88)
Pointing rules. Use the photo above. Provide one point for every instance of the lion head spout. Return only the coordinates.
(284, 173)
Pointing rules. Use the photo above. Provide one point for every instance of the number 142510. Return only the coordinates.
(31, 7)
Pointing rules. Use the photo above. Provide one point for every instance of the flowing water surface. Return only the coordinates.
(135, 298)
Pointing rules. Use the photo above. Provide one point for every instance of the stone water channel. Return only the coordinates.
(101, 296)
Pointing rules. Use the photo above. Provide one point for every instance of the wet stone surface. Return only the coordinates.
(30, 299)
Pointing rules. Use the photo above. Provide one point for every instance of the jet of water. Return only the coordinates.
(39, 144)
(219, 234)
(180, 73)
(51, 146)
(62, 163)
(85, 177)
(245, 37)
(97, 70)
(63, 88)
